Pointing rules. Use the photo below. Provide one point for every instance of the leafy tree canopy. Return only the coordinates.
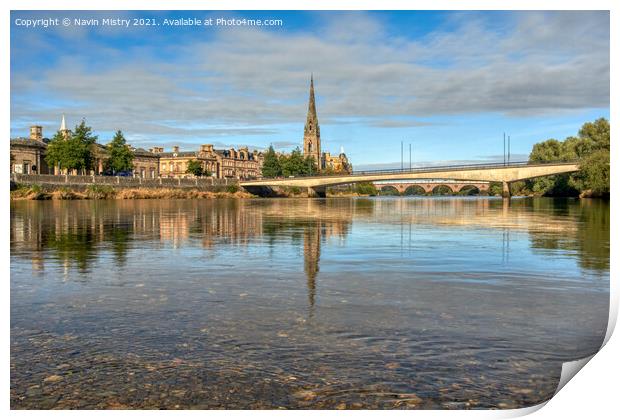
(67, 153)
(271, 164)
(74, 151)
(591, 147)
(120, 155)
(195, 168)
(296, 164)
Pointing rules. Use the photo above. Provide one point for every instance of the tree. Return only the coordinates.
(597, 132)
(67, 153)
(195, 168)
(495, 188)
(83, 138)
(366, 188)
(296, 164)
(271, 164)
(54, 153)
(546, 151)
(73, 151)
(590, 147)
(594, 174)
(120, 155)
(309, 166)
(292, 164)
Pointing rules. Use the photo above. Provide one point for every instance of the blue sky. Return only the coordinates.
(450, 83)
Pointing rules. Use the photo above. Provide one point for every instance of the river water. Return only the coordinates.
(381, 302)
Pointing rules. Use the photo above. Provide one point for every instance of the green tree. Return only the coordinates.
(590, 147)
(120, 155)
(594, 174)
(296, 164)
(546, 151)
(195, 168)
(271, 164)
(292, 164)
(54, 154)
(495, 188)
(67, 153)
(84, 139)
(597, 132)
(366, 188)
(309, 166)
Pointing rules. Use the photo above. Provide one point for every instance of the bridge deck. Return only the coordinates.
(496, 172)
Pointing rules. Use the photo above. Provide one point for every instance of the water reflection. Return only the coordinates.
(386, 303)
(76, 232)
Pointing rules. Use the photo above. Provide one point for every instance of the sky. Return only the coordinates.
(448, 83)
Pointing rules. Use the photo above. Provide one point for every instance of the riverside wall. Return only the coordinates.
(80, 182)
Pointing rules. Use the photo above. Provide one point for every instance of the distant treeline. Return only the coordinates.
(590, 147)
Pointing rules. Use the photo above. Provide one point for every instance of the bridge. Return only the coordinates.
(497, 172)
(429, 185)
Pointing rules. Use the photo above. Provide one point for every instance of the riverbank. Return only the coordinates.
(96, 192)
(99, 192)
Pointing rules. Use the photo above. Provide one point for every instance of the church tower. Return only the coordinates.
(312, 133)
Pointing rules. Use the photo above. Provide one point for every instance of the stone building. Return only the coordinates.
(336, 164)
(28, 156)
(145, 163)
(325, 162)
(231, 163)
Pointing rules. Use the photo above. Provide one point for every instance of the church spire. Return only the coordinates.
(311, 103)
(312, 133)
(63, 128)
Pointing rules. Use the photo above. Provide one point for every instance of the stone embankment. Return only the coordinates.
(67, 187)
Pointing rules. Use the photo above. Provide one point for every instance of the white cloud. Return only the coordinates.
(248, 81)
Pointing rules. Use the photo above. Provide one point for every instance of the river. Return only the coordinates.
(387, 302)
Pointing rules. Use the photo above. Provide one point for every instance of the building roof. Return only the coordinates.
(145, 153)
(22, 141)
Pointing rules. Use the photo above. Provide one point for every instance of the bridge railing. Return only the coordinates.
(497, 165)
(442, 167)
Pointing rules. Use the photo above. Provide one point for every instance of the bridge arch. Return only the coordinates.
(469, 189)
(389, 190)
(414, 189)
(442, 189)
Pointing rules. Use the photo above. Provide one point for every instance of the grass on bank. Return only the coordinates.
(104, 192)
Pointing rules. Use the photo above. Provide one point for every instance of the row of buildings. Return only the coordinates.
(28, 155)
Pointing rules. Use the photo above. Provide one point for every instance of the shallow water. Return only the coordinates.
(327, 303)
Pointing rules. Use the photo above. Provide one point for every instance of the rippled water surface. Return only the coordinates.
(326, 303)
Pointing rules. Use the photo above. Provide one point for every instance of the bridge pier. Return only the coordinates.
(505, 189)
(317, 192)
